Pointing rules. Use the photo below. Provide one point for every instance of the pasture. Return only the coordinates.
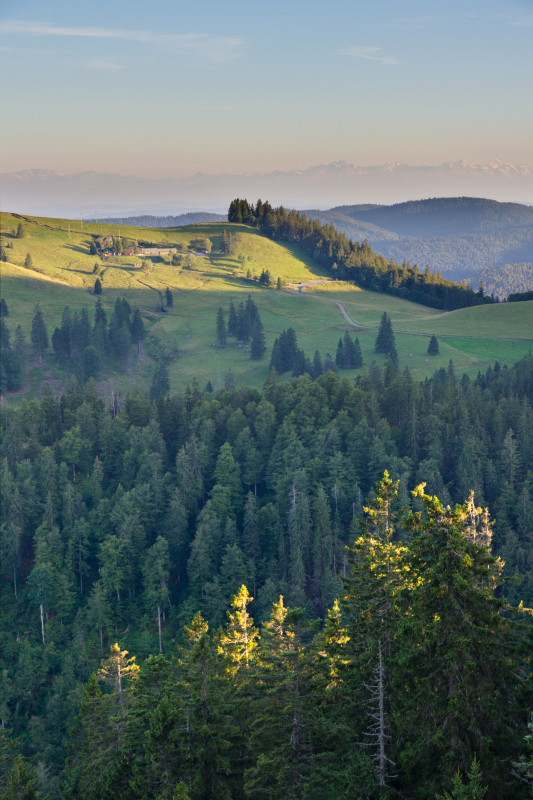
(64, 273)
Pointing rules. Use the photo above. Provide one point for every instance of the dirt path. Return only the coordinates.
(299, 286)
(414, 333)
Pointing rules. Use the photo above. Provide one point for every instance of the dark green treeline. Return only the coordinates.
(121, 525)
(355, 261)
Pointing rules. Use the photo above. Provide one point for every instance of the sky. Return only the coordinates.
(165, 88)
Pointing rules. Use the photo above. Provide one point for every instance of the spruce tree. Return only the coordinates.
(238, 642)
(28, 261)
(280, 738)
(433, 346)
(352, 357)
(97, 286)
(39, 336)
(318, 367)
(462, 650)
(232, 320)
(371, 610)
(203, 730)
(156, 580)
(221, 329)
(169, 298)
(258, 346)
(339, 355)
(358, 357)
(385, 339)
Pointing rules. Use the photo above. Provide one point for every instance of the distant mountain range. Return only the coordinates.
(95, 194)
(151, 221)
(465, 237)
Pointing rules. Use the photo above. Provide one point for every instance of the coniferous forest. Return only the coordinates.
(356, 261)
(320, 589)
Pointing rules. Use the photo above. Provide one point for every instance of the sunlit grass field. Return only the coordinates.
(64, 274)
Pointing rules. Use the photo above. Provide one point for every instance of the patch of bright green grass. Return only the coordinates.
(65, 277)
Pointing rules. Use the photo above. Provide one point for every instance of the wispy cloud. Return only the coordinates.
(369, 53)
(523, 22)
(105, 64)
(209, 46)
(9, 49)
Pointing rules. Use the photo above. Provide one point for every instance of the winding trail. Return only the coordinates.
(299, 286)
(415, 333)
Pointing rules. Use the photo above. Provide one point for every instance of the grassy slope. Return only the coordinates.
(66, 278)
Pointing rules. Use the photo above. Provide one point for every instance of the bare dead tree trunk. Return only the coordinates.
(382, 771)
(42, 624)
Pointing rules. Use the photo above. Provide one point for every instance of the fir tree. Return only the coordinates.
(97, 286)
(385, 339)
(169, 298)
(156, 578)
(470, 683)
(433, 346)
(339, 355)
(221, 329)
(232, 320)
(39, 336)
(238, 642)
(258, 346)
(318, 367)
(280, 733)
(358, 357)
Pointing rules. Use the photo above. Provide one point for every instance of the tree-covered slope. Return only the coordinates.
(122, 521)
(458, 236)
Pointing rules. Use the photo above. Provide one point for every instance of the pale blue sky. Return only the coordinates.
(164, 88)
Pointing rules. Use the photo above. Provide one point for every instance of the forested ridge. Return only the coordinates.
(466, 238)
(123, 524)
(355, 261)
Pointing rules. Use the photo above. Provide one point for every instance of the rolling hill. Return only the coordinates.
(63, 273)
(464, 237)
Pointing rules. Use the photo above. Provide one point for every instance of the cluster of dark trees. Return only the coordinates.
(355, 261)
(76, 339)
(520, 297)
(348, 355)
(244, 324)
(12, 356)
(288, 357)
(77, 343)
(120, 525)
(228, 243)
(15, 234)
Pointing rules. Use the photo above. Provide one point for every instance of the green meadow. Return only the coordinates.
(63, 273)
